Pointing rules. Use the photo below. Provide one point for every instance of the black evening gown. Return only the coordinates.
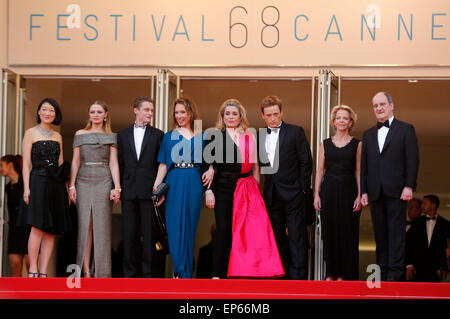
(340, 225)
(48, 207)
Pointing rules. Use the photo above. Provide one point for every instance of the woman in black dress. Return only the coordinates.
(11, 167)
(244, 244)
(45, 196)
(337, 195)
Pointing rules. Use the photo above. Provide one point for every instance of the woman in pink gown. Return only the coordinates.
(244, 244)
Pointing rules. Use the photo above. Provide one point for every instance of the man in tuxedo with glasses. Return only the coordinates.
(389, 167)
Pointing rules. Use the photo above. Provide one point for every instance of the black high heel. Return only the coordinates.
(32, 274)
(42, 275)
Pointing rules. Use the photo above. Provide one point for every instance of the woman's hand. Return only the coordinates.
(26, 196)
(161, 199)
(114, 195)
(357, 204)
(208, 176)
(210, 200)
(73, 195)
(317, 202)
(364, 199)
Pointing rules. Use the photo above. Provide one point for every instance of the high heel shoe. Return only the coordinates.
(42, 275)
(32, 274)
(87, 274)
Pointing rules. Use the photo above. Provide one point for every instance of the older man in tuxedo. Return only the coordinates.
(286, 162)
(389, 167)
(138, 148)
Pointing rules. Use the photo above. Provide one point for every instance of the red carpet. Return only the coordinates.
(120, 288)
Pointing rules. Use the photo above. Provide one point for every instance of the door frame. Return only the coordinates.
(328, 95)
(9, 77)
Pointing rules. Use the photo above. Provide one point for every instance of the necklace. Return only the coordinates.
(44, 132)
(334, 140)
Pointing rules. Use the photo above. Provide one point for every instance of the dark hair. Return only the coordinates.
(271, 100)
(141, 99)
(191, 109)
(434, 200)
(58, 113)
(417, 200)
(16, 160)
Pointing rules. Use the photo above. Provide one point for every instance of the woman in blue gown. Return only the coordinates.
(180, 158)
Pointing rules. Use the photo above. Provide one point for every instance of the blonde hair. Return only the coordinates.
(191, 109)
(107, 123)
(353, 116)
(220, 125)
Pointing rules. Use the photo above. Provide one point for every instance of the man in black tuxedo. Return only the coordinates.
(286, 162)
(138, 147)
(426, 244)
(389, 166)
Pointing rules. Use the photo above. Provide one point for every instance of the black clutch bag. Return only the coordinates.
(162, 243)
(161, 190)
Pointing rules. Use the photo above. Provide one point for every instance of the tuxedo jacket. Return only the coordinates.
(138, 176)
(294, 159)
(427, 259)
(395, 167)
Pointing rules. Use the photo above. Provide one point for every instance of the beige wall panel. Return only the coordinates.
(285, 33)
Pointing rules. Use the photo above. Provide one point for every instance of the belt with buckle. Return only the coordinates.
(230, 175)
(95, 163)
(184, 165)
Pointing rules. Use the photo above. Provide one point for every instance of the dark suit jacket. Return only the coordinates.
(137, 176)
(427, 259)
(395, 167)
(295, 163)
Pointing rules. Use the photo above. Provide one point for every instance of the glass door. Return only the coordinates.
(12, 94)
(167, 90)
(328, 95)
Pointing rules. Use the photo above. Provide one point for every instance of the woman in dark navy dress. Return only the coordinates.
(181, 157)
(45, 201)
(17, 236)
(337, 196)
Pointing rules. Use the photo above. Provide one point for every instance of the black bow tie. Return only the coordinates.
(381, 124)
(136, 125)
(270, 130)
(433, 218)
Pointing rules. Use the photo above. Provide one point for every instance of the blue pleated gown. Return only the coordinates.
(184, 198)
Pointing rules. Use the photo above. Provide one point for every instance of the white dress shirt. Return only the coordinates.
(430, 228)
(382, 134)
(271, 144)
(138, 133)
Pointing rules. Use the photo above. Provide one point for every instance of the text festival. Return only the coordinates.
(124, 27)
